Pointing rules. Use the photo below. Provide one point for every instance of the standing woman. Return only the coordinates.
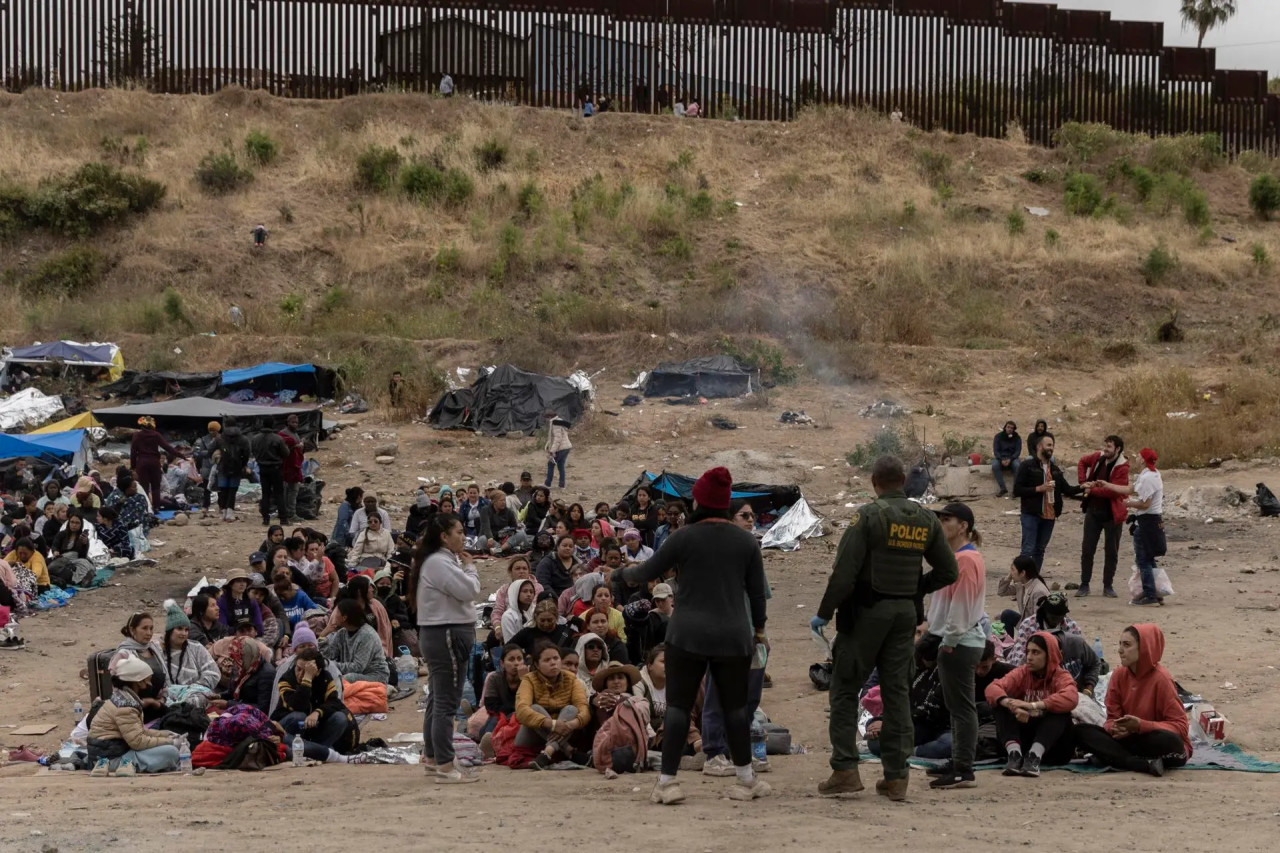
(955, 615)
(717, 565)
(144, 458)
(1148, 533)
(233, 463)
(558, 445)
(203, 453)
(443, 592)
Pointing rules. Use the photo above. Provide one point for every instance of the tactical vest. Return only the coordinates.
(899, 537)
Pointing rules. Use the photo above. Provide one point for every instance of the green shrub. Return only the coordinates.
(1264, 195)
(899, 441)
(700, 205)
(1261, 259)
(677, 247)
(1144, 180)
(335, 299)
(422, 182)
(1039, 176)
(933, 166)
(770, 360)
(1016, 222)
(1051, 238)
(291, 305)
(448, 260)
(66, 274)
(260, 148)
(83, 202)
(1158, 263)
(376, 168)
(1084, 143)
(1195, 207)
(491, 155)
(219, 174)
(458, 187)
(1185, 153)
(174, 308)
(1083, 195)
(530, 200)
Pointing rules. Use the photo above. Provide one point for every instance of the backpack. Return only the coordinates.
(308, 504)
(251, 754)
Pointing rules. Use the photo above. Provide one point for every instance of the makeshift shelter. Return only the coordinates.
(28, 408)
(191, 416)
(272, 378)
(58, 448)
(505, 400)
(84, 420)
(763, 499)
(153, 383)
(65, 354)
(706, 376)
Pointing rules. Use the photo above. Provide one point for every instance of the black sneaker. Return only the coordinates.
(961, 778)
(1083, 591)
(947, 769)
(1143, 601)
(542, 762)
(1014, 765)
(1108, 592)
(1156, 767)
(1031, 765)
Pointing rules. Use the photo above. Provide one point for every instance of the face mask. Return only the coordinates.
(384, 592)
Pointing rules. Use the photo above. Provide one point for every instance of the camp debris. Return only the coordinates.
(507, 400)
(28, 408)
(273, 383)
(66, 355)
(799, 522)
(705, 376)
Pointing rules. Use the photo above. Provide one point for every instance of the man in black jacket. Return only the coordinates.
(1006, 450)
(1040, 485)
(271, 452)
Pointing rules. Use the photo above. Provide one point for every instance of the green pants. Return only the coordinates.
(883, 637)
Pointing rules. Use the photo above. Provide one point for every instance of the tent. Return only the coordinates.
(28, 408)
(763, 499)
(273, 377)
(84, 420)
(505, 400)
(190, 416)
(135, 384)
(70, 353)
(706, 376)
(55, 448)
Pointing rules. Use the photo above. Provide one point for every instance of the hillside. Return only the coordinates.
(842, 246)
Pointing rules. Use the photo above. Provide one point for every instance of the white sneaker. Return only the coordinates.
(667, 794)
(760, 766)
(719, 765)
(755, 790)
(456, 776)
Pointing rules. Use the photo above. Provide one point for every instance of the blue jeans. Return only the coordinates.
(1036, 533)
(316, 742)
(553, 464)
(998, 470)
(713, 737)
(1142, 533)
(929, 744)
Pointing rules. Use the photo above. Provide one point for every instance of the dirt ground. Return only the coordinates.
(1220, 628)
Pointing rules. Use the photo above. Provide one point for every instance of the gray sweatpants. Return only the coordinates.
(956, 671)
(446, 649)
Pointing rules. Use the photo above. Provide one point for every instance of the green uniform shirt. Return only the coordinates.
(881, 554)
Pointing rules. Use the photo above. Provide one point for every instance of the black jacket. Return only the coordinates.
(235, 452)
(1030, 476)
(270, 450)
(1007, 446)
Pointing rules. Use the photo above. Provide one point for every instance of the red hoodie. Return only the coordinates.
(1149, 693)
(1119, 476)
(1054, 687)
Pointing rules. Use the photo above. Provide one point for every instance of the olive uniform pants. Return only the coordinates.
(883, 637)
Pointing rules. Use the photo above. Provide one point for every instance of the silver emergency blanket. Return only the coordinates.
(799, 522)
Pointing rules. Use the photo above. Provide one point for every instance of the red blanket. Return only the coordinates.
(211, 755)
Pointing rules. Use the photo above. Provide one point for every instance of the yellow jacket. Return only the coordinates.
(536, 690)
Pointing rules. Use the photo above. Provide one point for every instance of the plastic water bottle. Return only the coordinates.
(1097, 648)
(184, 754)
(406, 669)
(299, 758)
(78, 710)
(759, 749)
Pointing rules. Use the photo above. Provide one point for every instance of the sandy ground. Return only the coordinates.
(1220, 627)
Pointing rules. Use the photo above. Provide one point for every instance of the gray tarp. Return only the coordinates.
(192, 414)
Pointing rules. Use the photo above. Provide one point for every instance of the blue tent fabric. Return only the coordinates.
(271, 368)
(65, 351)
(53, 446)
(762, 497)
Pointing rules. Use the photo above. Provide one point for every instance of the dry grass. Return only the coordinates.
(836, 235)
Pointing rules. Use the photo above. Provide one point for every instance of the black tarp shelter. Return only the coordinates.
(269, 378)
(764, 499)
(705, 376)
(507, 400)
(191, 416)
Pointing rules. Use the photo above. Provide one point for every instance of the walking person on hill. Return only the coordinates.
(955, 615)
(717, 565)
(1006, 450)
(1105, 478)
(873, 592)
(1040, 485)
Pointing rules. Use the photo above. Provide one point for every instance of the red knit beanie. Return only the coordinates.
(713, 489)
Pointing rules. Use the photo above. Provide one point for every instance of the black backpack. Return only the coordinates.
(251, 754)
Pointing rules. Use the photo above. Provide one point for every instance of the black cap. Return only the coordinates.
(526, 476)
(958, 510)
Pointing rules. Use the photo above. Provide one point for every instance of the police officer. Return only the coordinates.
(875, 586)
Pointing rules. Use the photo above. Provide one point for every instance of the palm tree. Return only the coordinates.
(1204, 15)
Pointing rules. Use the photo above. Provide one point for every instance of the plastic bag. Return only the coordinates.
(1266, 501)
(1164, 587)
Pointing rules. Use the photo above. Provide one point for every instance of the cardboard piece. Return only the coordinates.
(34, 731)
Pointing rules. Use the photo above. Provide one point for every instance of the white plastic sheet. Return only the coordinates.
(799, 522)
(28, 408)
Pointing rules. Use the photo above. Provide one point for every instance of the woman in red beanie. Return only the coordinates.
(716, 564)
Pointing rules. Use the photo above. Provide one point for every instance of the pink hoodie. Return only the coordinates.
(1148, 694)
(1054, 687)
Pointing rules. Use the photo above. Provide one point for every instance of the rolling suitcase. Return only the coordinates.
(99, 675)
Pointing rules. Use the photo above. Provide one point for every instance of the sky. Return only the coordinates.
(1250, 40)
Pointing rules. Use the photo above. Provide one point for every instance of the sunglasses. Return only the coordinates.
(744, 514)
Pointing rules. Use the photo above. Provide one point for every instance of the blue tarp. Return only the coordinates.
(271, 368)
(66, 351)
(52, 446)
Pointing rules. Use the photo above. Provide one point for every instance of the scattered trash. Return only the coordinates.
(798, 522)
(639, 383)
(1266, 501)
(799, 417)
(884, 409)
(353, 404)
(632, 400)
(1181, 416)
(721, 422)
(1227, 685)
(1037, 211)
